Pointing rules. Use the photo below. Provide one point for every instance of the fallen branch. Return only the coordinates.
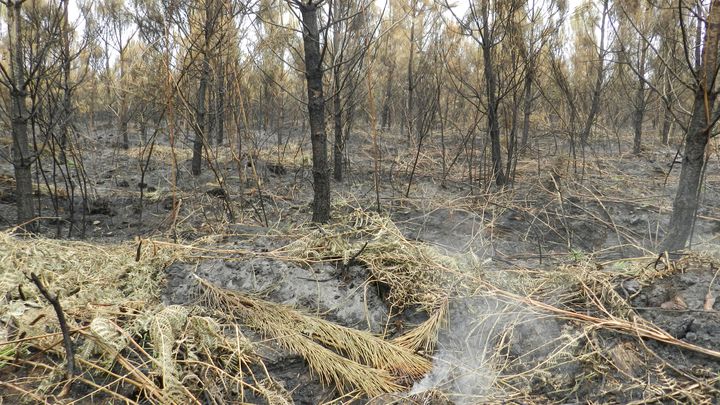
(638, 327)
(346, 266)
(69, 353)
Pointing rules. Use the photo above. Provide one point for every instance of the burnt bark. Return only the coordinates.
(386, 119)
(597, 88)
(512, 139)
(21, 155)
(66, 103)
(493, 104)
(220, 103)
(316, 111)
(200, 126)
(338, 147)
(123, 112)
(686, 200)
(411, 77)
(639, 102)
(201, 117)
(667, 116)
(527, 107)
(337, 118)
(698, 36)
(666, 127)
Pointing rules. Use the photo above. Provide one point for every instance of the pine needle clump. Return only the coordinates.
(347, 358)
(417, 274)
(128, 345)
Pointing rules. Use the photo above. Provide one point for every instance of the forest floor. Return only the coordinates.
(551, 290)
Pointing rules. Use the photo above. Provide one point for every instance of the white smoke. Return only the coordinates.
(464, 367)
(485, 336)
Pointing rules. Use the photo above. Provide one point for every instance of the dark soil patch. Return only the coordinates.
(346, 299)
(684, 305)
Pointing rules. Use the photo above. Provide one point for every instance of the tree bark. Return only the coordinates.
(66, 104)
(123, 113)
(109, 99)
(316, 111)
(337, 116)
(666, 127)
(22, 157)
(595, 100)
(698, 36)
(93, 101)
(410, 77)
(220, 102)
(338, 147)
(142, 120)
(685, 204)
(386, 113)
(200, 125)
(527, 107)
(638, 117)
(492, 113)
(512, 139)
(639, 101)
(667, 116)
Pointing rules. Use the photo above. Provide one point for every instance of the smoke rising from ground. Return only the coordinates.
(487, 338)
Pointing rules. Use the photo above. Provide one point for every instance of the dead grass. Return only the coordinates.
(347, 358)
(578, 295)
(130, 339)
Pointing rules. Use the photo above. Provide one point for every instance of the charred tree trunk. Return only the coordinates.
(493, 104)
(316, 111)
(338, 147)
(698, 35)
(93, 102)
(200, 126)
(66, 103)
(22, 157)
(410, 78)
(667, 116)
(337, 117)
(142, 121)
(686, 198)
(123, 112)
(666, 127)
(386, 113)
(527, 107)
(639, 116)
(595, 97)
(108, 83)
(512, 139)
(202, 122)
(639, 102)
(220, 102)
